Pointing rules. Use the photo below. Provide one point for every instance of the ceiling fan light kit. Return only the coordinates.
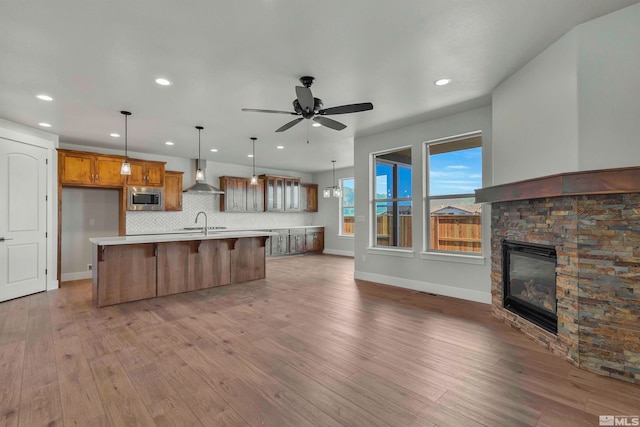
(306, 106)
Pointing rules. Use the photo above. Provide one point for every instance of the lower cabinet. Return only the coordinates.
(315, 239)
(296, 241)
(280, 243)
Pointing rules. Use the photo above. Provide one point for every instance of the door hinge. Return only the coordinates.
(46, 198)
(46, 161)
(45, 271)
(46, 235)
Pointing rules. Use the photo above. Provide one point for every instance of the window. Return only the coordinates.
(347, 207)
(454, 171)
(392, 200)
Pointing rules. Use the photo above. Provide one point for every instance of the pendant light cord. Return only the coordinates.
(254, 156)
(126, 152)
(334, 173)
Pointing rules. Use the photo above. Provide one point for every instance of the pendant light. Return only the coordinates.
(254, 178)
(199, 172)
(334, 191)
(125, 169)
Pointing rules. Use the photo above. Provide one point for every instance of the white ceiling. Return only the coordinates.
(97, 58)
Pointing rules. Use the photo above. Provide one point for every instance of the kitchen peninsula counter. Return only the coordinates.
(131, 268)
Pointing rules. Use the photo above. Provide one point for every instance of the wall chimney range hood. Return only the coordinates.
(201, 187)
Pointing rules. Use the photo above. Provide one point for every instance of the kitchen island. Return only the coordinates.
(131, 268)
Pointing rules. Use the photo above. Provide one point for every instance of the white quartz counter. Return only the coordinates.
(159, 238)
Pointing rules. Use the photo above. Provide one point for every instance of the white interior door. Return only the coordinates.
(23, 219)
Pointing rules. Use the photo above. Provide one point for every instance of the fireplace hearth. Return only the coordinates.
(529, 282)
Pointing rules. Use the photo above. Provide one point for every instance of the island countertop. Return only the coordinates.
(183, 237)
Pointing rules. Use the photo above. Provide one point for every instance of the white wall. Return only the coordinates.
(49, 141)
(329, 214)
(535, 116)
(446, 275)
(86, 213)
(575, 107)
(609, 85)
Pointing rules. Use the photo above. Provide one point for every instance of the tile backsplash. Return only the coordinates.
(153, 222)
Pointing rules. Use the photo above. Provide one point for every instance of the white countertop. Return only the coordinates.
(226, 230)
(160, 238)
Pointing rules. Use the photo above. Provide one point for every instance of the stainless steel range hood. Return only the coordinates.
(201, 187)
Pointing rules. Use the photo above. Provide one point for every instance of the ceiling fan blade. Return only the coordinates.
(256, 110)
(291, 124)
(305, 98)
(330, 123)
(344, 109)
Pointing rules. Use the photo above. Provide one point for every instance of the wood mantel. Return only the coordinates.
(603, 181)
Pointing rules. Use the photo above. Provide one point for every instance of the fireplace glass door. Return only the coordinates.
(530, 282)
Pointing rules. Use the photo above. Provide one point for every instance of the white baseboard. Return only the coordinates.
(448, 291)
(337, 252)
(80, 275)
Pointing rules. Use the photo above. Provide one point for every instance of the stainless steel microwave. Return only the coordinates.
(145, 199)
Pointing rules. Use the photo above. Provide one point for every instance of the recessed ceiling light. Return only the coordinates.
(115, 135)
(163, 82)
(280, 147)
(44, 125)
(316, 125)
(169, 143)
(442, 82)
(214, 150)
(44, 97)
(249, 155)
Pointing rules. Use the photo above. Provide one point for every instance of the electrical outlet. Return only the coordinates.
(89, 267)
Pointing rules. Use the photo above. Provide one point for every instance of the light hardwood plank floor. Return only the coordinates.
(307, 346)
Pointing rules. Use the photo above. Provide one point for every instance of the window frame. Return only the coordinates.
(373, 200)
(427, 251)
(341, 208)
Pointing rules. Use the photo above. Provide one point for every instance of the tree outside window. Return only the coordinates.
(347, 207)
(392, 204)
(454, 172)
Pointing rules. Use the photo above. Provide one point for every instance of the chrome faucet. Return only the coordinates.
(206, 228)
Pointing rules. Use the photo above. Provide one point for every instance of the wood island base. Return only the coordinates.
(135, 271)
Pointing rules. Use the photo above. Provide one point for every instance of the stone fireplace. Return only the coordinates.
(592, 221)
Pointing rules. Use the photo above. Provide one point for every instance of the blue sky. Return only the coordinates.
(456, 172)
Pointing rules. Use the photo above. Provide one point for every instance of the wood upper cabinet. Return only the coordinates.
(273, 193)
(309, 197)
(281, 193)
(292, 194)
(255, 196)
(80, 168)
(145, 173)
(173, 191)
(234, 198)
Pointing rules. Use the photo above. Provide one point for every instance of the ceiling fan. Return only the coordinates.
(308, 107)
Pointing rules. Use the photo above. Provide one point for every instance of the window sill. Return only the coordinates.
(403, 253)
(345, 236)
(449, 257)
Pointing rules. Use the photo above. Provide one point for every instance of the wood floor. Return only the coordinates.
(308, 346)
